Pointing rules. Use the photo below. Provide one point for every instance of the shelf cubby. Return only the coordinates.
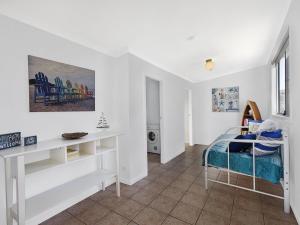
(105, 145)
(44, 160)
(85, 150)
(251, 112)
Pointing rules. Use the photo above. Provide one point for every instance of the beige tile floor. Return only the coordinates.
(174, 194)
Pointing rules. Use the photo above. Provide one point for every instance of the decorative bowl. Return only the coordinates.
(76, 135)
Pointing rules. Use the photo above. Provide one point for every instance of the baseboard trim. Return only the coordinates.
(202, 143)
(172, 157)
(295, 213)
(133, 180)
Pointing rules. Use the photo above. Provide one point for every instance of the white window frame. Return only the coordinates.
(282, 52)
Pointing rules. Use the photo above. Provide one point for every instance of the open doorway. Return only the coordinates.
(188, 119)
(153, 119)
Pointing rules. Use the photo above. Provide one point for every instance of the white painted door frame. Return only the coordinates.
(162, 153)
(190, 116)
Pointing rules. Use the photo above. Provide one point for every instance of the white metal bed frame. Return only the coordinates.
(285, 183)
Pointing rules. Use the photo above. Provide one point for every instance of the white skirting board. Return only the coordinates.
(166, 160)
(133, 180)
(296, 214)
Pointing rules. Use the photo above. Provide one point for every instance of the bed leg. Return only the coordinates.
(286, 191)
(287, 204)
(286, 175)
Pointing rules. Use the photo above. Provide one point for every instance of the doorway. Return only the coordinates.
(188, 118)
(153, 120)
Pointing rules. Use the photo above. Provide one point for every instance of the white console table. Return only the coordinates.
(42, 181)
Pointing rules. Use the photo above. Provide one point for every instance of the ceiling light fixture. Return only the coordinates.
(209, 64)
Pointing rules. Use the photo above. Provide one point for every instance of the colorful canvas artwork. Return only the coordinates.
(59, 87)
(225, 99)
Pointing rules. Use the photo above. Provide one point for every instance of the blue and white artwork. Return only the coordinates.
(225, 99)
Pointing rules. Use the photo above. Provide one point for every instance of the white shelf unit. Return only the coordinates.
(43, 206)
(47, 182)
(40, 165)
(85, 150)
(44, 160)
(103, 150)
(105, 146)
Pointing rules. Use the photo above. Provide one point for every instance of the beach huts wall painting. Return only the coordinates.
(59, 87)
(225, 99)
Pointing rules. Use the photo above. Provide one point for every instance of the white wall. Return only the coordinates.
(253, 84)
(186, 117)
(292, 23)
(120, 94)
(16, 42)
(172, 108)
(121, 111)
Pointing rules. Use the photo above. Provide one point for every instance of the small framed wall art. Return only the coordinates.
(225, 99)
(10, 140)
(31, 140)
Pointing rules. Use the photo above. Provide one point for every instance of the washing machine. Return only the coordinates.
(153, 139)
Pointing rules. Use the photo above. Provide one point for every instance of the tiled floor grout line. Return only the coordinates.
(182, 197)
(169, 185)
(208, 194)
(149, 204)
(177, 201)
(186, 191)
(234, 196)
(113, 210)
(232, 206)
(73, 216)
(230, 218)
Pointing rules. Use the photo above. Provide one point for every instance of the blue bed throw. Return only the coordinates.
(268, 167)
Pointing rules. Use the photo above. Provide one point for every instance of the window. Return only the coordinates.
(281, 76)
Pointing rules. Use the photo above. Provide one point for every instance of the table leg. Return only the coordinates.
(102, 168)
(20, 178)
(9, 191)
(117, 168)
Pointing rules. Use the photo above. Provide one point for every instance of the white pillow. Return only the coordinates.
(268, 125)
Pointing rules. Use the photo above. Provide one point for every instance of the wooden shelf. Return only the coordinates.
(254, 115)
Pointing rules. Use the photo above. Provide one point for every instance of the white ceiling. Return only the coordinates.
(177, 35)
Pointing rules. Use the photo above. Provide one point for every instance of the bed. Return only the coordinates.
(273, 168)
